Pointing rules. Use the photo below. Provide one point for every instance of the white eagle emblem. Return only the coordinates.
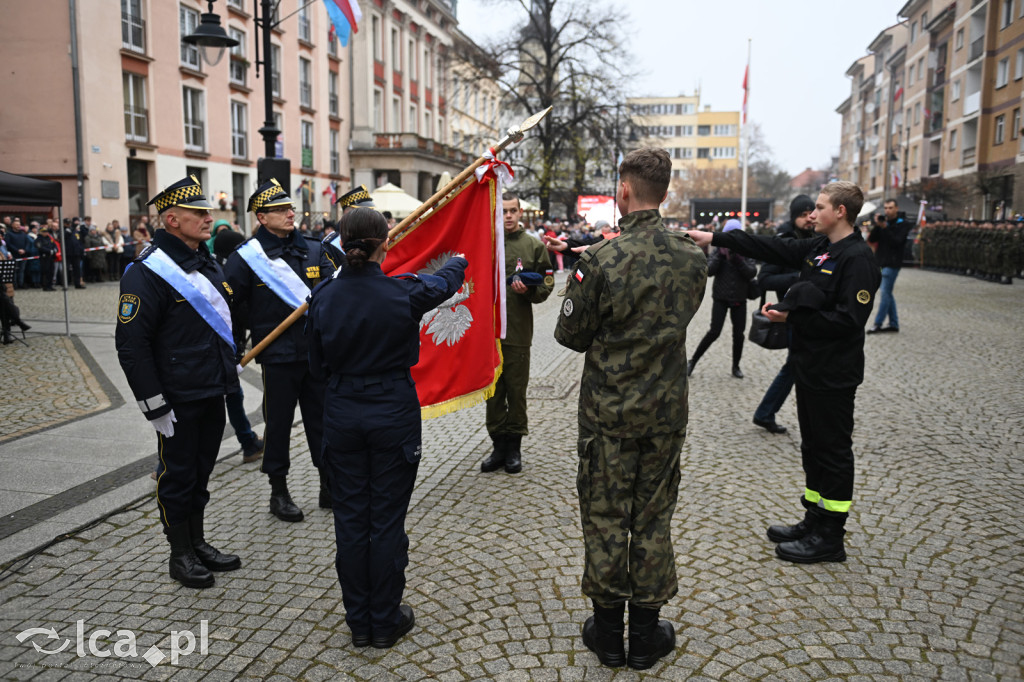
(448, 322)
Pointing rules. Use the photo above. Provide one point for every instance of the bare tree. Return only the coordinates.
(566, 55)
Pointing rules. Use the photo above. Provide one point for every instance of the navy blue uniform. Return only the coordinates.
(174, 360)
(363, 339)
(286, 377)
(332, 258)
(826, 350)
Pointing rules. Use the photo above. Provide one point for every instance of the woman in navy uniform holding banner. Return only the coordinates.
(363, 339)
(274, 271)
(174, 344)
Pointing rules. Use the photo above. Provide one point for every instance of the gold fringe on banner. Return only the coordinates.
(468, 400)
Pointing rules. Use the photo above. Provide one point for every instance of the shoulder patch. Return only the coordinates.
(567, 307)
(128, 307)
(863, 296)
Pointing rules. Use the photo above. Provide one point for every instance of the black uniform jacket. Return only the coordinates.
(167, 351)
(827, 346)
(363, 322)
(891, 240)
(266, 309)
(332, 257)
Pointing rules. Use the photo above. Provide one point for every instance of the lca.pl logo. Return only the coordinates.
(182, 643)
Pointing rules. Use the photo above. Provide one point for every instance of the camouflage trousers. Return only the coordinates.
(628, 489)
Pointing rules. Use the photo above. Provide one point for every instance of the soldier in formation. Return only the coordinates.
(989, 250)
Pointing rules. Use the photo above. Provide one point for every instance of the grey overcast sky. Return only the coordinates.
(800, 52)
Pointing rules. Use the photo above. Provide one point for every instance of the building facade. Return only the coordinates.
(953, 74)
(694, 137)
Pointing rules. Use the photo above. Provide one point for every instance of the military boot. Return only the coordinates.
(649, 638)
(603, 632)
(782, 533)
(824, 542)
(281, 504)
(184, 565)
(496, 460)
(513, 456)
(207, 554)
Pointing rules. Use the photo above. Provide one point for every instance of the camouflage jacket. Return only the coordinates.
(525, 253)
(627, 304)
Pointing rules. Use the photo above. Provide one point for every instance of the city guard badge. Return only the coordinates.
(127, 307)
(863, 296)
(567, 307)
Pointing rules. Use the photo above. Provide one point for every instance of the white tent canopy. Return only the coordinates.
(392, 198)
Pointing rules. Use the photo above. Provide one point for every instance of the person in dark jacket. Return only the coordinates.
(174, 344)
(779, 278)
(732, 273)
(48, 249)
(273, 272)
(364, 337)
(73, 254)
(889, 233)
(826, 311)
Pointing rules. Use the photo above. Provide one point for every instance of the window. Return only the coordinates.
(410, 61)
(924, 22)
(237, 4)
(413, 119)
(687, 153)
(955, 93)
(684, 131)
(396, 51)
(378, 110)
(427, 128)
(723, 152)
(239, 130)
(188, 20)
(1006, 16)
(306, 133)
(702, 152)
(725, 131)
(952, 140)
(1015, 125)
(136, 117)
(133, 27)
(913, 31)
(440, 129)
(335, 155)
(275, 70)
(1019, 71)
(1003, 72)
(238, 68)
(332, 93)
(396, 115)
(913, 156)
(378, 52)
(428, 75)
(917, 113)
(195, 128)
(959, 43)
(703, 131)
(910, 76)
(1000, 128)
(305, 82)
(332, 41)
(305, 26)
(921, 75)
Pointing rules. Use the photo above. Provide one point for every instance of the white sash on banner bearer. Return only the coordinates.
(275, 273)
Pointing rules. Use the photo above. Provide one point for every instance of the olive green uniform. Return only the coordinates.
(627, 305)
(506, 409)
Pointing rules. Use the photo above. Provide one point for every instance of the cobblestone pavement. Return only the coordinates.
(932, 589)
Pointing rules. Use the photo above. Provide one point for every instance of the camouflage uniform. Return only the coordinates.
(506, 409)
(627, 305)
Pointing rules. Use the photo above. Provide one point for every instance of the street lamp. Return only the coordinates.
(209, 34)
(210, 37)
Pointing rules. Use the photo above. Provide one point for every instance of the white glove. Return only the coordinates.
(239, 369)
(164, 425)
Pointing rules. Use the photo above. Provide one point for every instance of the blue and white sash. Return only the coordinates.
(275, 273)
(200, 293)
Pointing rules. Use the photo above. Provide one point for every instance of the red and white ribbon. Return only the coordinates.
(501, 169)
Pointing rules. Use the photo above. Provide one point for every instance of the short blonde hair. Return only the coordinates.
(847, 194)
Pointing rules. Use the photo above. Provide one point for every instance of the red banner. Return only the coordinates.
(460, 358)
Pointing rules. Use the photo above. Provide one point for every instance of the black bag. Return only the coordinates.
(753, 289)
(765, 333)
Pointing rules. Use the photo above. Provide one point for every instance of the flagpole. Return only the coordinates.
(745, 140)
(515, 134)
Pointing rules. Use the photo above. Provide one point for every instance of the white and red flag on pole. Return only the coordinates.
(460, 357)
(746, 91)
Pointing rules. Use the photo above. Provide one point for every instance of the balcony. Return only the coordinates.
(969, 156)
(938, 77)
(935, 122)
(933, 167)
(412, 143)
(977, 49)
(133, 33)
(972, 103)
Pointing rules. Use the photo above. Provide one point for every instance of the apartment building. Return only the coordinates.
(955, 88)
(694, 137)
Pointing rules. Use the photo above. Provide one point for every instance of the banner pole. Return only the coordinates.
(514, 135)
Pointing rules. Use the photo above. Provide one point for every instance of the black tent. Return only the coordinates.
(21, 190)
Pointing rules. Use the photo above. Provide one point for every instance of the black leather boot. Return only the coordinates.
(408, 619)
(184, 565)
(649, 638)
(824, 542)
(496, 459)
(782, 533)
(513, 456)
(281, 504)
(603, 633)
(207, 554)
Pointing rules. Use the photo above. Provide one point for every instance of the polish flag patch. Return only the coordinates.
(578, 275)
